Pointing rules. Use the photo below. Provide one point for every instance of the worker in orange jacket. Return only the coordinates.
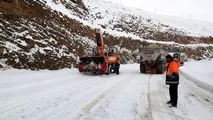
(178, 62)
(172, 79)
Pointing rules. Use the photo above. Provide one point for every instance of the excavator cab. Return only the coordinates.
(112, 51)
(112, 58)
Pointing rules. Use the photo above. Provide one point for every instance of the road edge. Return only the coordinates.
(201, 84)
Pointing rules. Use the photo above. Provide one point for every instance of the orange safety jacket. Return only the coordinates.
(173, 68)
(178, 62)
(118, 60)
(172, 74)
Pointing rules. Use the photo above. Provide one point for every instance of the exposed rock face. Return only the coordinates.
(33, 36)
(149, 30)
(36, 38)
(10, 1)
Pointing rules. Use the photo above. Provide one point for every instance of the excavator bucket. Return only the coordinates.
(94, 64)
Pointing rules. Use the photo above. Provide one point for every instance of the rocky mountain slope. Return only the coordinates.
(52, 34)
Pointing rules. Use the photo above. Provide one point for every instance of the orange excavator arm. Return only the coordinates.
(100, 42)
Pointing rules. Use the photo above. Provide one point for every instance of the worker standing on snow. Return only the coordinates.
(118, 65)
(172, 79)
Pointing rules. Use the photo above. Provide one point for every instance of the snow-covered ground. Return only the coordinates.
(68, 95)
(201, 70)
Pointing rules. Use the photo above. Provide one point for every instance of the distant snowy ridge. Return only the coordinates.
(111, 11)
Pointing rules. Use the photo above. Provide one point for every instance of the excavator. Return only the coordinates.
(103, 60)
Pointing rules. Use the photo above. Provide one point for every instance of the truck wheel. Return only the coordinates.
(109, 70)
(160, 70)
(142, 70)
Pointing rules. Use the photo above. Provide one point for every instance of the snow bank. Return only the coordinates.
(200, 70)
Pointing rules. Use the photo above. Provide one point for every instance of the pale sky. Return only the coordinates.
(194, 9)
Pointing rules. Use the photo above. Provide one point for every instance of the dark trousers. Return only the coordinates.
(173, 92)
(117, 68)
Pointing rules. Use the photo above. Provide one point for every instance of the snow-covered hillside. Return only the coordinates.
(119, 20)
(109, 14)
(52, 34)
(122, 21)
(68, 95)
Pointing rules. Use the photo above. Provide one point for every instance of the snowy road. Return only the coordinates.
(69, 95)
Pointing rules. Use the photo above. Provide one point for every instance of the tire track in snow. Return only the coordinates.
(104, 106)
(157, 92)
(20, 103)
(41, 95)
(204, 96)
(82, 97)
(96, 100)
(142, 100)
(186, 103)
(33, 75)
(196, 98)
(198, 83)
(149, 110)
(43, 84)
